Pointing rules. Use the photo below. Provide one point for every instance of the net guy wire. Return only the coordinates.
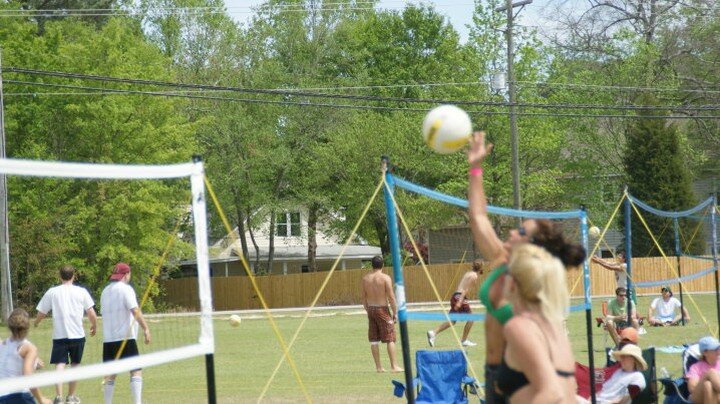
(324, 284)
(427, 274)
(601, 237)
(672, 267)
(269, 315)
(153, 278)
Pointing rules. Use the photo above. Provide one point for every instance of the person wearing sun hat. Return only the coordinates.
(662, 309)
(704, 376)
(627, 381)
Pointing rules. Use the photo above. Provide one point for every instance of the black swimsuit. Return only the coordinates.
(509, 380)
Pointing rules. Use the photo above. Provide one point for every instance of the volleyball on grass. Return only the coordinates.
(235, 320)
(446, 129)
(594, 231)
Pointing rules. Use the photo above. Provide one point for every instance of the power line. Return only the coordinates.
(284, 92)
(346, 106)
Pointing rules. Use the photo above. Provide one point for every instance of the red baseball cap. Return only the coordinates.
(119, 271)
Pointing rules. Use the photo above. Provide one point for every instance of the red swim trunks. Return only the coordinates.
(381, 324)
(464, 308)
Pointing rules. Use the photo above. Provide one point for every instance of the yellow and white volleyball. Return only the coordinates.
(446, 129)
(235, 320)
(594, 231)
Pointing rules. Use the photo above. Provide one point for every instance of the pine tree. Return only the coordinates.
(657, 175)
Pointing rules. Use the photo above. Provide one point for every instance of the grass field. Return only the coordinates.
(332, 356)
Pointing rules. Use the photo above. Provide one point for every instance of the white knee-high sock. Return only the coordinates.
(136, 389)
(109, 390)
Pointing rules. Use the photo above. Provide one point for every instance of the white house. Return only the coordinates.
(291, 249)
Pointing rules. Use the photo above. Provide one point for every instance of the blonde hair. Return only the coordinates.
(540, 281)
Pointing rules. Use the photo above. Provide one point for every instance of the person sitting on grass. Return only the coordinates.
(19, 357)
(703, 377)
(662, 310)
(627, 381)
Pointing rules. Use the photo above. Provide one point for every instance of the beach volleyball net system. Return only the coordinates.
(175, 337)
(444, 249)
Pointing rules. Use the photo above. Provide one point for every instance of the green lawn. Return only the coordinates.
(332, 356)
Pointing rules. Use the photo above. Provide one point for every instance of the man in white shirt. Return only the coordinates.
(662, 310)
(67, 302)
(121, 315)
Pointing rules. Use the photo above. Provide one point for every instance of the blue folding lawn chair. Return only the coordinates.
(441, 378)
(676, 389)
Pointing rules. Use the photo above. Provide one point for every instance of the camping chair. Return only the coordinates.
(676, 390)
(441, 378)
(647, 395)
(600, 322)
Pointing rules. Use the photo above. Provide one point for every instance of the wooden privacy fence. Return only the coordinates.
(298, 290)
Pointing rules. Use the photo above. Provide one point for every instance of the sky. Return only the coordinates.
(459, 12)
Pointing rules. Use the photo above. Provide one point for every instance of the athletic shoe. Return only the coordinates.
(431, 338)
(467, 342)
(58, 400)
(72, 400)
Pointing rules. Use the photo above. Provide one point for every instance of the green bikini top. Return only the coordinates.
(503, 313)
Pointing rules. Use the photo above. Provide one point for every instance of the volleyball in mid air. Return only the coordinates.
(594, 231)
(446, 129)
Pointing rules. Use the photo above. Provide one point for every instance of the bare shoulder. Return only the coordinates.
(519, 328)
(28, 348)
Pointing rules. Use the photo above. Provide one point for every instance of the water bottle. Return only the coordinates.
(664, 373)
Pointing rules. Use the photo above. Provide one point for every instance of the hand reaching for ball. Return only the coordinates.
(478, 149)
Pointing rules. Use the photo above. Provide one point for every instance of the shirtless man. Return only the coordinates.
(377, 293)
(459, 304)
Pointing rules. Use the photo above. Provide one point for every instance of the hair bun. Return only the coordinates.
(572, 254)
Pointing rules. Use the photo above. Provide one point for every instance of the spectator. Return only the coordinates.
(662, 310)
(627, 381)
(617, 315)
(703, 377)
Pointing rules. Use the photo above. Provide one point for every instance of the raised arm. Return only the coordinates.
(613, 266)
(486, 240)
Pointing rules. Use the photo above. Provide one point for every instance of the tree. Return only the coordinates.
(657, 175)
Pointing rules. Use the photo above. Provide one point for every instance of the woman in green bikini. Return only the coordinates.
(543, 233)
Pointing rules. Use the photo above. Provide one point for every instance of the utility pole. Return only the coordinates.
(514, 148)
(5, 285)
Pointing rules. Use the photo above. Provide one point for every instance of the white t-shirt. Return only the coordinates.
(616, 386)
(621, 277)
(116, 301)
(68, 303)
(665, 310)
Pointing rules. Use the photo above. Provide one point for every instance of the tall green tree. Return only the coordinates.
(656, 174)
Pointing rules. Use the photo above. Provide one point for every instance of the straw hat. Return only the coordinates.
(635, 352)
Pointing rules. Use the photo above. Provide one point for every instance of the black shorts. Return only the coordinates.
(67, 350)
(17, 398)
(110, 350)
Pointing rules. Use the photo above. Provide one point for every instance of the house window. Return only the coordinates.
(287, 224)
(305, 268)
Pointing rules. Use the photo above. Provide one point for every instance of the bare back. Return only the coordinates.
(468, 283)
(377, 289)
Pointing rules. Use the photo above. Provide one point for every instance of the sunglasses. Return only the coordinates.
(521, 231)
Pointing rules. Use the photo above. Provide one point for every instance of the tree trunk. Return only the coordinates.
(241, 229)
(312, 237)
(271, 242)
(252, 238)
